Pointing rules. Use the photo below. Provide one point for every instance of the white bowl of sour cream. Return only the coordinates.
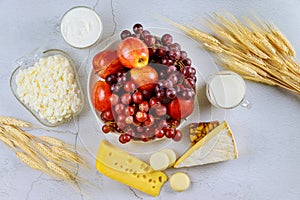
(81, 27)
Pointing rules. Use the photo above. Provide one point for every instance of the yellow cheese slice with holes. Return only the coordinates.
(118, 159)
(149, 182)
(218, 145)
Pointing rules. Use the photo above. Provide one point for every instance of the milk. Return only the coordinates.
(226, 89)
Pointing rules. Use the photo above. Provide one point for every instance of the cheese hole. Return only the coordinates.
(129, 160)
(115, 163)
(150, 180)
(153, 186)
(109, 153)
(138, 176)
(160, 179)
(144, 176)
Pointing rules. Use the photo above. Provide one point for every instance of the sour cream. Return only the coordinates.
(81, 27)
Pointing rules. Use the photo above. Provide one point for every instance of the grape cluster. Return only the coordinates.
(141, 114)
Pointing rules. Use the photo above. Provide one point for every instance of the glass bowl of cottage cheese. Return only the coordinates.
(46, 84)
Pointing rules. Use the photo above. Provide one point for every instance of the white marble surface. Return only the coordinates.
(267, 135)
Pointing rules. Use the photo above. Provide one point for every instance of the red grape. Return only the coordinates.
(141, 116)
(129, 120)
(124, 138)
(159, 133)
(178, 136)
(108, 115)
(105, 128)
(149, 121)
(121, 118)
(144, 137)
(144, 106)
(154, 102)
(169, 132)
(162, 124)
(120, 126)
(129, 86)
(140, 129)
(114, 99)
(126, 99)
(119, 108)
(131, 133)
(129, 110)
(137, 97)
(162, 110)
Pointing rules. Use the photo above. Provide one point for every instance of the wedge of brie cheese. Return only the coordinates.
(218, 145)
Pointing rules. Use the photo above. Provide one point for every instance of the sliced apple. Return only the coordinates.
(106, 63)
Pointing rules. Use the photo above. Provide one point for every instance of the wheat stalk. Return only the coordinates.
(14, 122)
(29, 161)
(47, 154)
(256, 50)
(55, 142)
(68, 155)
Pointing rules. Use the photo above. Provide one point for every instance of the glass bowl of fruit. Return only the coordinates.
(145, 87)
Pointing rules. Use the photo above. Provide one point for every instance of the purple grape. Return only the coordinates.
(125, 34)
(162, 51)
(171, 93)
(145, 33)
(168, 83)
(173, 78)
(183, 55)
(166, 39)
(152, 52)
(175, 46)
(187, 62)
(111, 79)
(174, 54)
(149, 40)
(137, 28)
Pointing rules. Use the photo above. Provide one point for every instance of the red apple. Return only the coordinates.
(106, 63)
(133, 53)
(101, 96)
(180, 108)
(145, 78)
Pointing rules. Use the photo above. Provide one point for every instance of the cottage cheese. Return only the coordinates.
(49, 88)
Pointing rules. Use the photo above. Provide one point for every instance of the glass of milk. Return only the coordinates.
(226, 90)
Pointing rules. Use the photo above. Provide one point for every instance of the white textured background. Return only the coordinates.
(267, 135)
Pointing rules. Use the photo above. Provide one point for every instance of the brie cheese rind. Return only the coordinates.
(218, 145)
